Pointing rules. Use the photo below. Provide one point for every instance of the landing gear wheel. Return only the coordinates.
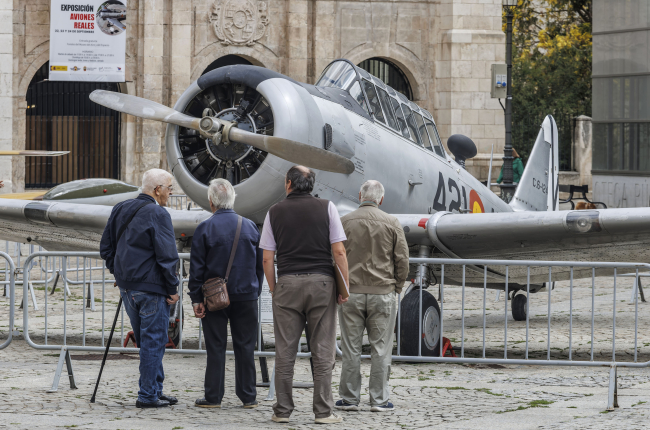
(409, 328)
(518, 305)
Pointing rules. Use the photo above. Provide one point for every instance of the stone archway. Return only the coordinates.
(389, 73)
(59, 116)
(406, 66)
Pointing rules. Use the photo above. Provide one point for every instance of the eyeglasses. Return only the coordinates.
(163, 186)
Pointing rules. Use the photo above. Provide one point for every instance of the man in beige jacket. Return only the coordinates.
(378, 262)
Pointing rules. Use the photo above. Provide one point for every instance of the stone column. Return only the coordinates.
(181, 48)
(297, 46)
(6, 90)
(470, 40)
(153, 132)
(582, 149)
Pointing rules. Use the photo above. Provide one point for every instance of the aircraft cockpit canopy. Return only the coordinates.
(385, 105)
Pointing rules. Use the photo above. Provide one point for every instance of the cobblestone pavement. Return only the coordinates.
(425, 395)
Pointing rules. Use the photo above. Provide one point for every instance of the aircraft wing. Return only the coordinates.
(71, 226)
(611, 235)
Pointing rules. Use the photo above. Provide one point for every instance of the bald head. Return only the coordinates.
(300, 179)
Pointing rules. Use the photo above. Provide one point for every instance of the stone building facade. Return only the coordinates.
(443, 47)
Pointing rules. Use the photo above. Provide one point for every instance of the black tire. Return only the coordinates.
(174, 329)
(410, 326)
(518, 305)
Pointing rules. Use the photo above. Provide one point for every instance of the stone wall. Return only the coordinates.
(444, 47)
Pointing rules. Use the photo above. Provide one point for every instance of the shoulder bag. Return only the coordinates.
(215, 290)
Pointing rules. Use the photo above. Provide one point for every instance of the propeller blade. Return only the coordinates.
(143, 108)
(290, 150)
(29, 153)
(293, 151)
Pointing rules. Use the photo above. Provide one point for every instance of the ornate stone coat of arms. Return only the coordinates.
(239, 22)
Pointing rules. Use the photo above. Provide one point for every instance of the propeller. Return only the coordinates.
(30, 153)
(223, 132)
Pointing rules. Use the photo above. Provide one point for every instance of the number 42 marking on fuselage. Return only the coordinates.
(439, 201)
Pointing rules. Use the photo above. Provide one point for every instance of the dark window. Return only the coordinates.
(399, 115)
(61, 117)
(389, 73)
(422, 130)
(435, 138)
(390, 114)
(357, 94)
(622, 146)
(373, 101)
(410, 121)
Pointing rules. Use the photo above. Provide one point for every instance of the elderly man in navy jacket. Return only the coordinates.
(139, 247)
(211, 246)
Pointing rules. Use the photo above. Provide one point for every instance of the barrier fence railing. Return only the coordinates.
(464, 311)
(9, 276)
(100, 277)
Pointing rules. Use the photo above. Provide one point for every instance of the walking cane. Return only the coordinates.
(110, 338)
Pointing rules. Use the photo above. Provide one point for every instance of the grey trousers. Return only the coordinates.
(375, 313)
(298, 299)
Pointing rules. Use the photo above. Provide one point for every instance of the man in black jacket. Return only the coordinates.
(139, 247)
(211, 246)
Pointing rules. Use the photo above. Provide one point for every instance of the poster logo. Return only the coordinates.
(111, 16)
(75, 69)
(59, 68)
(475, 203)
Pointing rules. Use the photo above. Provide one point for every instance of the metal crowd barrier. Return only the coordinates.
(485, 265)
(103, 279)
(9, 278)
(179, 202)
(452, 273)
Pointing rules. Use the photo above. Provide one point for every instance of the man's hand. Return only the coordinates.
(341, 300)
(1, 184)
(172, 299)
(199, 310)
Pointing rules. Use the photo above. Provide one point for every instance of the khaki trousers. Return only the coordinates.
(298, 299)
(375, 313)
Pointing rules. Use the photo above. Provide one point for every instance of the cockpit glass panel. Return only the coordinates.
(435, 139)
(390, 114)
(338, 75)
(399, 116)
(423, 131)
(413, 127)
(373, 101)
(357, 94)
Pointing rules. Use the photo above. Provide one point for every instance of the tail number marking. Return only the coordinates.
(540, 185)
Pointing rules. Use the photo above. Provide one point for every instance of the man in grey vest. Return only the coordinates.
(305, 231)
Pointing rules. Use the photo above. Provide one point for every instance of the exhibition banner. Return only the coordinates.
(88, 40)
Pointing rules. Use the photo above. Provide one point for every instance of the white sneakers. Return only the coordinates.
(332, 419)
(279, 419)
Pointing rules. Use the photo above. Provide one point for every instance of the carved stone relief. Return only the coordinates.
(239, 22)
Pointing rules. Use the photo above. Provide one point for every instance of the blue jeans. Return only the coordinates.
(149, 315)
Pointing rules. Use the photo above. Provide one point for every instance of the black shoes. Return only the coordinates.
(157, 404)
(202, 403)
(251, 405)
(172, 400)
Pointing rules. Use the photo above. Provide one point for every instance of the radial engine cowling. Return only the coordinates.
(260, 101)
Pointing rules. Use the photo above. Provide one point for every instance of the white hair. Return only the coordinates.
(372, 191)
(221, 193)
(154, 178)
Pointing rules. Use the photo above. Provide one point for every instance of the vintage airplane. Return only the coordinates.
(249, 125)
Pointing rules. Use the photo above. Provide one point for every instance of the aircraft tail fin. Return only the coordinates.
(538, 188)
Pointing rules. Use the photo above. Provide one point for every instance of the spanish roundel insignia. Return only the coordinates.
(475, 203)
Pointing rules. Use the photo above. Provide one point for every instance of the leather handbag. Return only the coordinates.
(215, 290)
